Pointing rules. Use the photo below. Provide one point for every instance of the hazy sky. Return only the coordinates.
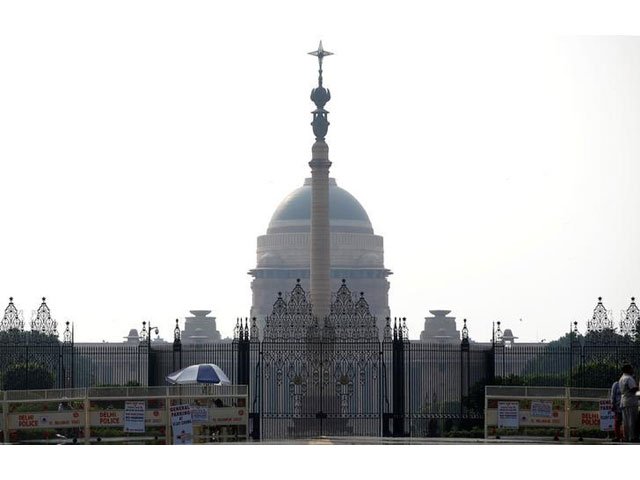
(145, 145)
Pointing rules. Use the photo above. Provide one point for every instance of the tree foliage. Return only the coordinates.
(27, 337)
(27, 376)
(596, 373)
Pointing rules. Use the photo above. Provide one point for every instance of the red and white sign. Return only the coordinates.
(227, 416)
(22, 421)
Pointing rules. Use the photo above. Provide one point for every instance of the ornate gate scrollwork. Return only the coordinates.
(324, 372)
(12, 318)
(630, 319)
(601, 319)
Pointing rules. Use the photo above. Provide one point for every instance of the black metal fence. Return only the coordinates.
(301, 389)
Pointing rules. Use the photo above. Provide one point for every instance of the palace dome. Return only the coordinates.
(346, 214)
(283, 253)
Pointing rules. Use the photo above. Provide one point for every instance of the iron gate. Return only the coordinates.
(318, 388)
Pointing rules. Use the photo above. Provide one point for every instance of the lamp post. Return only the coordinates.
(150, 361)
(144, 332)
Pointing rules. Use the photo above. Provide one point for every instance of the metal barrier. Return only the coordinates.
(509, 408)
(204, 413)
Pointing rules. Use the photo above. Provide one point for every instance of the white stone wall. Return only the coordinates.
(291, 250)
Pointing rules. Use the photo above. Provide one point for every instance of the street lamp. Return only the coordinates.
(144, 332)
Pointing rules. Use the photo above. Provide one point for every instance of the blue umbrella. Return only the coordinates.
(201, 373)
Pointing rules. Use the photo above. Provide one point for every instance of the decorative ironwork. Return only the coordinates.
(291, 318)
(499, 337)
(43, 322)
(67, 336)
(253, 334)
(405, 330)
(312, 367)
(575, 337)
(349, 320)
(12, 318)
(236, 329)
(176, 333)
(400, 330)
(629, 319)
(297, 375)
(601, 319)
(344, 384)
(465, 331)
(143, 333)
(241, 331)
(387, 336)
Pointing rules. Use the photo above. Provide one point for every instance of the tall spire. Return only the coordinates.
(320, 234)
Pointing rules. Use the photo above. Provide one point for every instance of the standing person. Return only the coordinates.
(628, 389)
(616, 406)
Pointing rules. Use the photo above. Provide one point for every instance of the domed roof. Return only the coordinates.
(345, 212)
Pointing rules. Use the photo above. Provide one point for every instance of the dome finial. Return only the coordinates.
(320, 96)
(320, 53)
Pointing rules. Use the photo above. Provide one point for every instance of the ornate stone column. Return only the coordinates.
(320, 239)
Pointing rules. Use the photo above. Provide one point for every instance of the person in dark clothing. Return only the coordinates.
(616, 406)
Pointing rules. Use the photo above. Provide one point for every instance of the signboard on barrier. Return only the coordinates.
(541, 409)
(134, 417)
(199, 414)
(508, 414)
(98, 414)
(606, 416)
(181, 424)
(116, 418)
(228, 416)
(22, 421)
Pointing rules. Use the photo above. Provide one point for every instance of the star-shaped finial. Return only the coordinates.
(320, 52)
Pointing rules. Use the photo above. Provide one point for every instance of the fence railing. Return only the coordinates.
(393, 387)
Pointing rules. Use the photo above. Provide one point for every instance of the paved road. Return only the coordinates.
(370, 441)
(434, 441)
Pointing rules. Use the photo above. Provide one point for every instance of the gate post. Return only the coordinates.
(151, 359)
(464, 368)
(151, 367)
(256, 407)
(386, 415)
(243, 352)
(5, 419)
(67, 348)
(243, 343)
(398, 380)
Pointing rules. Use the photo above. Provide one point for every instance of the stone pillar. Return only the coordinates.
(320, 233)
(320, 270)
